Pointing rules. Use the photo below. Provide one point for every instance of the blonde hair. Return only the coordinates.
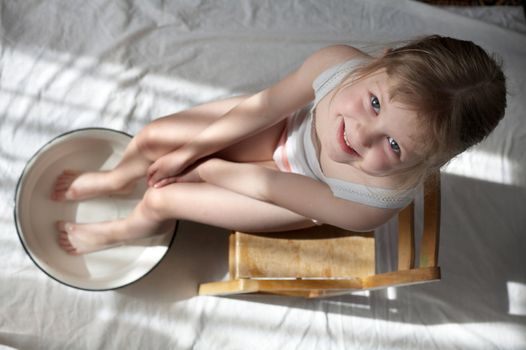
(456, 88)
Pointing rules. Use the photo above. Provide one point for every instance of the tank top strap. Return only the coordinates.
(332, 77)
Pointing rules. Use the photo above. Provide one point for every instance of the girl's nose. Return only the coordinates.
(367, 134)
(364, 135)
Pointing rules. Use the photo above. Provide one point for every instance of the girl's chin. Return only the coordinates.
(339, 157)
(378, 173)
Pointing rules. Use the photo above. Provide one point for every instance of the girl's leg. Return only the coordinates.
(199, 202)
(155, 140)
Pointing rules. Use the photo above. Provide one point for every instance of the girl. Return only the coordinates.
(344, 140)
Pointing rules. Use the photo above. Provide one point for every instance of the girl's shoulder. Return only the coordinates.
(331, 56)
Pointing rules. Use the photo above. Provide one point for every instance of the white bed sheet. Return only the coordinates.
(73, 64)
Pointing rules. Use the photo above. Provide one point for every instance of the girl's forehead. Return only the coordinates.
(405, 128)
(382, 83)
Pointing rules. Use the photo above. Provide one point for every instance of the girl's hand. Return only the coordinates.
(189, 175)
(165, 169)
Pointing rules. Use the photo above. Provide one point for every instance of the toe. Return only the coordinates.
(65, 244)
(63, 182)
(58, 195)
(61, 225)
(63, 240)
(64, 226)
(70, 172)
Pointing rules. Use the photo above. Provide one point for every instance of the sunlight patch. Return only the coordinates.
(517, 298)
(483, 166)
(88, 88)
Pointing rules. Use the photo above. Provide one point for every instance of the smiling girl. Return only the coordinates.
(344, 140)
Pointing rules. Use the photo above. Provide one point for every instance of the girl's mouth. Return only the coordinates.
(345, 145)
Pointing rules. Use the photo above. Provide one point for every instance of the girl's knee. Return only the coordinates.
(147, 141)
(155, 203)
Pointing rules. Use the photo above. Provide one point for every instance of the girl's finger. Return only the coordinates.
(149, 180)
(160, 183)
(165, 181)
(153, 179)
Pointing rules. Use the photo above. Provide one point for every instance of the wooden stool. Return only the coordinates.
(325, 260)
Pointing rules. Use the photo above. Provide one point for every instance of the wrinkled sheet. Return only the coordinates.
(120, 64)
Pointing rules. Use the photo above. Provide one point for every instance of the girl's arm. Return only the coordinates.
(254, 114)
(298, 193)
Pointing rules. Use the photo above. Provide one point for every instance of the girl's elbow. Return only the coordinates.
(366, 224)
(354, 227)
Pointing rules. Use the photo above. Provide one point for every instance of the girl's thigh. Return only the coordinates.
(168, 133)
(216, 206)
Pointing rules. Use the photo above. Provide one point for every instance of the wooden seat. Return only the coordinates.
(325, 260)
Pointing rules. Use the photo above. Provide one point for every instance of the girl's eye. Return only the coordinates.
(394, 145)
(375, 104)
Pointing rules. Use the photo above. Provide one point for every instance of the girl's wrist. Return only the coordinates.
(189, 154)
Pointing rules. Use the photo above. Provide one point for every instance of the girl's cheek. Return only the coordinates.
(351, 103)
(381, 163)
(360, 105)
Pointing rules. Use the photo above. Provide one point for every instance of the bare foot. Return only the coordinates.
(78, 239)
(76, 186)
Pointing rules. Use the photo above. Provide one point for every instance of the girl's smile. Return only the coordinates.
(345, 144)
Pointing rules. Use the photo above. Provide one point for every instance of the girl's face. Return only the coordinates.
(368, 131)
